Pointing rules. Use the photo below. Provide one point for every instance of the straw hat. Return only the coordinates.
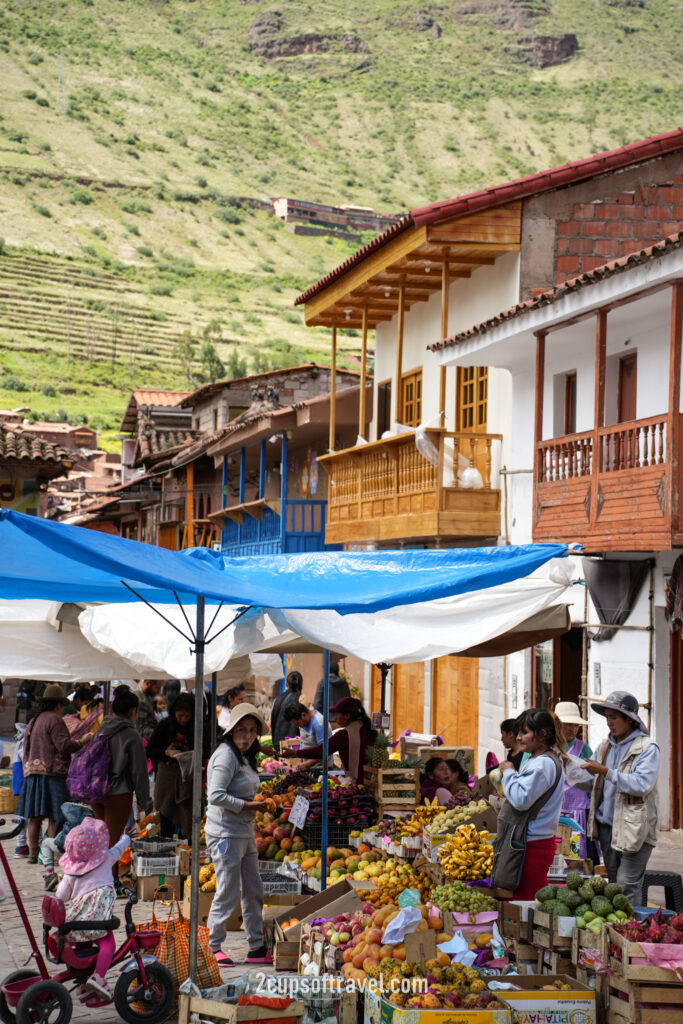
(245, 710)
(567, 711)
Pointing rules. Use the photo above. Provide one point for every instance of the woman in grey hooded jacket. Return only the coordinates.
(232, 784)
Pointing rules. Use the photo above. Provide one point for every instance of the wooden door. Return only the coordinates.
(472, 399)
(455, 701)
(567, 664)
(676, 711)
(570, 403)
(626, 399)
(375, 688)
(168, 536)
(407, 698)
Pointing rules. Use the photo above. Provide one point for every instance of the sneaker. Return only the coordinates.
(21, 851)
(51, 881)
(262, 955)
(98, 985)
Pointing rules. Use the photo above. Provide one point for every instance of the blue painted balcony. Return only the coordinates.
(259, 528)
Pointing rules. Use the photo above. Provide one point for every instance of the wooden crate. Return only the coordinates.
(523, 954)
(542, 931)
(290, 744)
(550, 961)
(510, 922)
(643, 1003)
(583, 939)
(234, 1014)
(627, 966)
(385, 781)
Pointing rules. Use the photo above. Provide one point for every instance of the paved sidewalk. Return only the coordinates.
(15, 949)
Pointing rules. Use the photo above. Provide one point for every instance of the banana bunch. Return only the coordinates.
(420, 818)
(447, 821)
(466, 854)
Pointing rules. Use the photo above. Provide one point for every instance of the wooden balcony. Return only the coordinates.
(387, 491)
(618, 497)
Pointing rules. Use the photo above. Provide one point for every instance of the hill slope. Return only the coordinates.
(129, 129)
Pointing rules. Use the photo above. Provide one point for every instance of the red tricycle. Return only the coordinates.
(144, 991)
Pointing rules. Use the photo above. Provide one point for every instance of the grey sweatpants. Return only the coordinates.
(50, 850)
(236, 862)
(628, 869)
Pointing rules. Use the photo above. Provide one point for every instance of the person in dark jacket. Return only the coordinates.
(280, 727)
(146, 721)
(173, 736)
(128, 772)
(339, 689)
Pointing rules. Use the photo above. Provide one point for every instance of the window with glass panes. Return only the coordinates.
(472, 404)
(411, 393)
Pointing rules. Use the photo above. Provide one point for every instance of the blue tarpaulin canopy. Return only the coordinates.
(52, 561)
(49, 560)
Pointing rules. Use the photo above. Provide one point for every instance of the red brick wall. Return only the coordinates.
(601, 231)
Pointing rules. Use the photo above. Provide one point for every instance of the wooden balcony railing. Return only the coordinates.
(611, 494)
(565, 457)
(633, 445)
(391, 480)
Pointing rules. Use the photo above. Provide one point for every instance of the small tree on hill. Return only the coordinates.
(211, 362)
(184, 352)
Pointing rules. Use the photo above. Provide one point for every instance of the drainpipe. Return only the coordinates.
(224, 497)
(283, 491)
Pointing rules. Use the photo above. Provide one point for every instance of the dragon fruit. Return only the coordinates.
(677, 922)
(654, 932)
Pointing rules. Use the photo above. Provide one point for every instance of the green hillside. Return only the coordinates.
(132, 133)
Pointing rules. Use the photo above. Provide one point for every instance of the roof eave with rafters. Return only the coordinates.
(340, 282)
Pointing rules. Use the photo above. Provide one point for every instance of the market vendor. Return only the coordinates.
(623, 806)
(232, 784)
(437, 781)
(576, 800)
(353, 736)
(533, 801)
(310, 724)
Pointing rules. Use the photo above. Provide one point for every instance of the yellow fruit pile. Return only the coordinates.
(466, 854)
(421, 817)
(448, 821)
(207, 878)
(391, 883)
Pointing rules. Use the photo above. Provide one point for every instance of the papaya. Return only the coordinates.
(308, 863)
(280, 855)
(272, 851)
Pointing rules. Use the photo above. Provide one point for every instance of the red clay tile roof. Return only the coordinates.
(150, 396)
(507, 192)
(618, 266)
(18, 444)
(152, 443)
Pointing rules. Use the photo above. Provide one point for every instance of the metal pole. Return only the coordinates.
(384, 672)
(197, 784)
(213, 700)
(326, 736)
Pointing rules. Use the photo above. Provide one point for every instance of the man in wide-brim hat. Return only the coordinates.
(623, 810)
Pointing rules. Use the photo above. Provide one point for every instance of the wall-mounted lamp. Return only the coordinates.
(428, 266)
(347, 313)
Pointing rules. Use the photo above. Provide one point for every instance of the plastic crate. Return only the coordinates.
(145, 865)
(154, 847)
(276, 884)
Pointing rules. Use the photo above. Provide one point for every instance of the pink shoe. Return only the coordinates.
(99, 986)
(222, 959)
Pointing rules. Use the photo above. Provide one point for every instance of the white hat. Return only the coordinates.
(569, 712)
(245, 710)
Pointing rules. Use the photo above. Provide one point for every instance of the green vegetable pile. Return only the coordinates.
(594, 902)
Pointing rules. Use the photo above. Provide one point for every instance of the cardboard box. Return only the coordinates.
(378, 1010)
(313, 905)
(532, 1003)
(148, 885)
(234, 922)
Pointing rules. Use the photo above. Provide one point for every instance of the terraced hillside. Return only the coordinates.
(131, 132)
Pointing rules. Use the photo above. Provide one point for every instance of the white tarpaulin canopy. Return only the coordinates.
(416, 632)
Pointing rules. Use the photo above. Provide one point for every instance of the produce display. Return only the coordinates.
(466, 854)
(392, 881)
(271, 766)
(594, 902)
(448, 821)
(419, 819)
(655, 929)
(460, 898)
(294, 780)
(346, 801)
(274, 834)
(207, 878)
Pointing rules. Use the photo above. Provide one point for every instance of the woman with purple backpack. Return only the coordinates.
(127, 768)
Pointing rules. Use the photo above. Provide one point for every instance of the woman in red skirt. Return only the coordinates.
(539, 781)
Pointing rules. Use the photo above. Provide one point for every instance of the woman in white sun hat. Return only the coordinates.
(576, 801)
(232, 784)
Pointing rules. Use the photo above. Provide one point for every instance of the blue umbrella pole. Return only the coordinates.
(326, 738)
